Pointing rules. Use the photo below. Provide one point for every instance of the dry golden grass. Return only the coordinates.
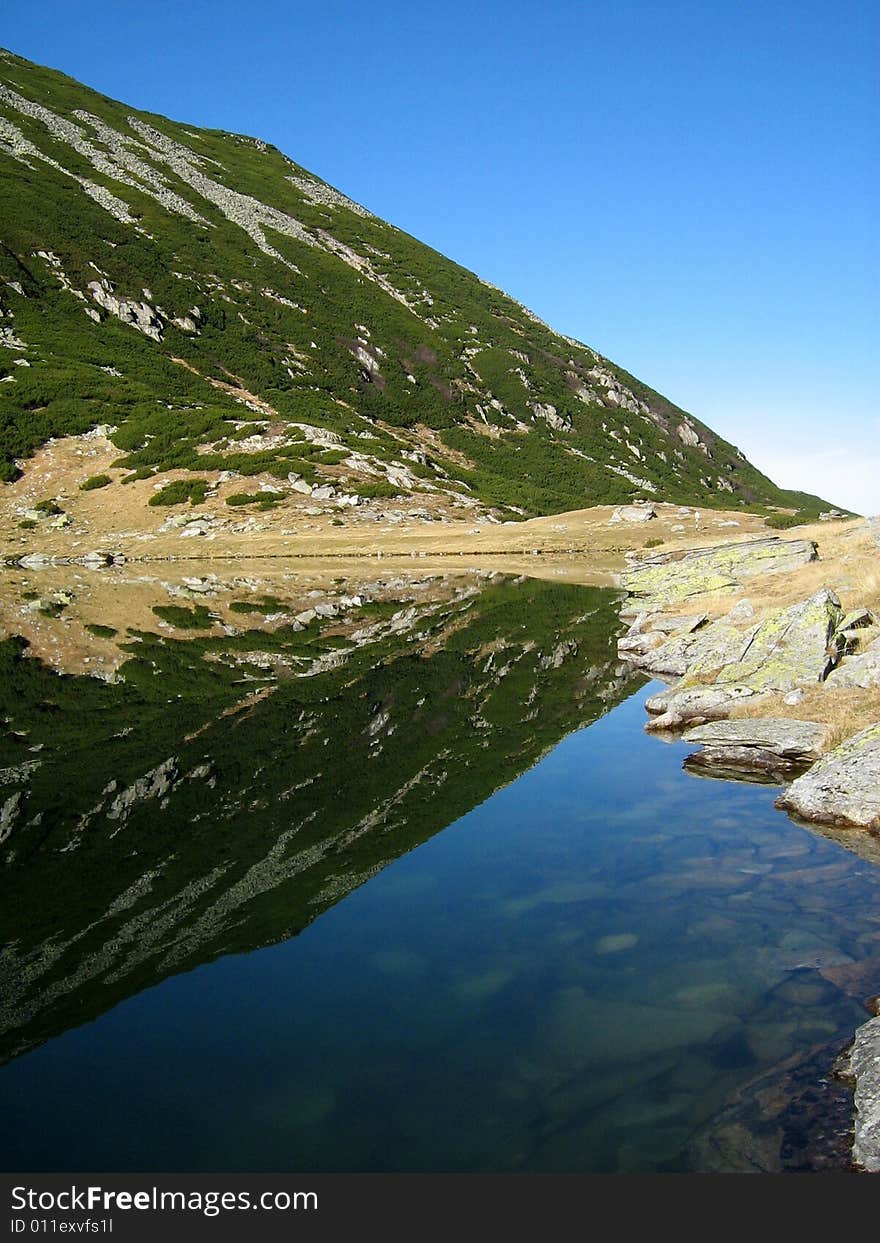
(849, 564)
(846, 711)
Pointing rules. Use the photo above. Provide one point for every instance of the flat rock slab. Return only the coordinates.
(842, 788)
(634, 513)
(861, 1065)
(800, 741)
(671, 577)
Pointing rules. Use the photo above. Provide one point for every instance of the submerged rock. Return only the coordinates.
(843, 788)
(793, 1118)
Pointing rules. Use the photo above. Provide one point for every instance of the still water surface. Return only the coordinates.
(573, 976)
(263, 910)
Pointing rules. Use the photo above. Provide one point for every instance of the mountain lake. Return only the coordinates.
(383, 874)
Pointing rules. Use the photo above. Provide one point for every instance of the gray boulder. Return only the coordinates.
(861, 1066)
(862, 670)
(634, 513)
(842, 788)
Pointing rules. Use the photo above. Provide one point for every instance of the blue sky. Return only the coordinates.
(689, 187)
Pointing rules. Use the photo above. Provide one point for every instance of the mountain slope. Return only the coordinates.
(228, 316)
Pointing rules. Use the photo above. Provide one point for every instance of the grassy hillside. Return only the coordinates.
(224, 311)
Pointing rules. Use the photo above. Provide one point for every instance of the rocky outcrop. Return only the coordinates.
(659, 643)
(771, 746)
(843, 788)
(666, 657)
(860, 1065)
(669, 578)
(789, 648)
(129, 310)
(548, 412)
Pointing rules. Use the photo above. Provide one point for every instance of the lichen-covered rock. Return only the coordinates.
(668, 578)
(650, 631)
(771, 746)
(710, 648)
(789, 648)
(842, 788)
(861, 1065)
(858, 619)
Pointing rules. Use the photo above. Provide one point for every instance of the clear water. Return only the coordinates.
(575, 975)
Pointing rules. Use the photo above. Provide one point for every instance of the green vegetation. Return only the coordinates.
(265, 604)
(460, 356)
(94, 481)
(181, 491)
(782, 522)
(101, 632)
(198, 618)
(263, 499)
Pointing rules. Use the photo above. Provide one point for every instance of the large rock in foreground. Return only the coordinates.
(671, 577)
(861, 1065)
(843, 788)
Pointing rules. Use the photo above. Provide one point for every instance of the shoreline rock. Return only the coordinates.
(860, 1066)
(843, 787)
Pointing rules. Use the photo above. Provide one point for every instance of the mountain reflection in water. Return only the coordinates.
(602, 964)
(257, 754)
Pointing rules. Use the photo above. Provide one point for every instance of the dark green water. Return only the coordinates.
(575, 974)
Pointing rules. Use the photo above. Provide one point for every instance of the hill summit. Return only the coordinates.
(238, 330)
